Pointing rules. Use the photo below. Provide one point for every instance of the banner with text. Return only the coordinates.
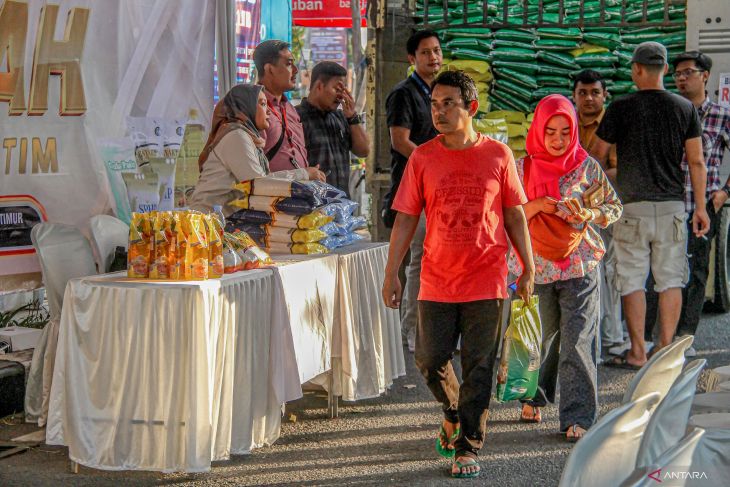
(74, 72)
(325, 13)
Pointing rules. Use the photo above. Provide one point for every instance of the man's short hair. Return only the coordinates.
(326, 70)
(702, 60)
(588, 77)
(416, 38)
(268, 53)
(458, 79)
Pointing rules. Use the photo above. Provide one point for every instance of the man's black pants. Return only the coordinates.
(437, 334)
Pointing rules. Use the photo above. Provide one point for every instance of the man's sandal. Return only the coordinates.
(443, 440)
(532, 416)
(572, 434)
(470, 462)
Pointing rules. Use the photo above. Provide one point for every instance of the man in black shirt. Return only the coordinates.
(652, 128)
(408, 108)
(329, 133)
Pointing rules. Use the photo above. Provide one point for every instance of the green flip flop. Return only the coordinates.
(469, 475)
(445, 452)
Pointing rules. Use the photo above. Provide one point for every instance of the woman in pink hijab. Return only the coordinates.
(569, 195)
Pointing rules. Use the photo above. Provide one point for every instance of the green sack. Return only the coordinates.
(603, 39)
(623, 74)
(637, 36)
(471, 54)
(519, 55)
(519, 35)
(529, 68)
(515, 90)
(505, 44)
(519, 365)
(558, 58)
(541, 93)
(596, 60)
(475, 32)
(604, 71)
(522, 79)
(570, 34)
(557, 81)
(467, 43)
(556, 45)
(552, 70)
(504, 101)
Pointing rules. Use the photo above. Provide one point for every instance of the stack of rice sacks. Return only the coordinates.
(528, 64)
(295, 217)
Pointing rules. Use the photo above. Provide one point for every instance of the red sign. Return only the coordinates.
(325, 13)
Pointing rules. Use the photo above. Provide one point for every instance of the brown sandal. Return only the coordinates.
(575, 436)
(532, 416)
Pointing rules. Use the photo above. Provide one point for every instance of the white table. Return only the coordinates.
(170, 375)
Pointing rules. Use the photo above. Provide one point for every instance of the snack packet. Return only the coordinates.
(140, 246)
(196, 253)
(178, 246)
(251, 254)
(216, 266)
(160, 265)
(297, 248)
(232, 262)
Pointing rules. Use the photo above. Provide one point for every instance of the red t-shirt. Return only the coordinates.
(463, 193)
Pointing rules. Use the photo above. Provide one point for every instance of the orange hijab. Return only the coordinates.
(552, 237)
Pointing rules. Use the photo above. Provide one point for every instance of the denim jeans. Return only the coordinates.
(569, 314)
(439, 327)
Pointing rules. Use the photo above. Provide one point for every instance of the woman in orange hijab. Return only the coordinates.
(569, 195)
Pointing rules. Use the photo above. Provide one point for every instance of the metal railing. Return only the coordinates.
(534, 15)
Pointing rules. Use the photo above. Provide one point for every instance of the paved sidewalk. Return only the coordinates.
(385, 441)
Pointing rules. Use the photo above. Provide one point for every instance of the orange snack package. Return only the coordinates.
(215, 247)
(196, 253)
(160, 267)
(251, 254)
(140, 246)
(176, 235)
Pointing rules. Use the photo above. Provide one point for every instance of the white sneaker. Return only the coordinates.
(690, 352)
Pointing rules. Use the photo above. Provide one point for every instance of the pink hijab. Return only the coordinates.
(546, 170)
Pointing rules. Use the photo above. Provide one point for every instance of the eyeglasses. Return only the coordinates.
(686, 73)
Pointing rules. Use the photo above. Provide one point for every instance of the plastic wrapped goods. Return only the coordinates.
(519, 365)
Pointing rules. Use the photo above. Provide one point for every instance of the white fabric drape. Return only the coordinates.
(225, 44)
(367, 351)
(145, 373)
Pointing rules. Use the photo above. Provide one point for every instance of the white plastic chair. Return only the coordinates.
(606, 454)
(660, 372)
(668, 422)
(64, 254)
(680, 454)
(711, 402)
(107, 233)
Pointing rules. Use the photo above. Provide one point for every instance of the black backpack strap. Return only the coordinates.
(272, 152)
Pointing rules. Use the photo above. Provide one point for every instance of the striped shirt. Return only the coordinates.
(715, 121)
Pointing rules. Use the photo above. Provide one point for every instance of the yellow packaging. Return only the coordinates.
(178, 244)
(196, 253)
(140, 246)
(160, 267)
(215, 247)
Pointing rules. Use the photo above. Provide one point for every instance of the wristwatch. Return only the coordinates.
(356, 119)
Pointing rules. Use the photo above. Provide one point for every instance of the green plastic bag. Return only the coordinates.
(467, 43)
(522, 79)
(471, 54)
(519, 365)
(604, 39)
(529, 68)
(519, 55)
(596, 60)
(570, 34)
(541, 93)
(518, 35)
(506, 44)
(556, 44)
(557, 81)
(505, 101)
(513, 89)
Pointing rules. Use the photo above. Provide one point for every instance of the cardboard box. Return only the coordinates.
(19, 337)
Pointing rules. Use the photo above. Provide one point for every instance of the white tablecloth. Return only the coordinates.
(367, 346)
(170, 375)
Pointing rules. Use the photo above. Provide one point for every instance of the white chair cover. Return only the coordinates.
(107, 233)
(668, 423)
(724, 387)
(711, 402)
(711, 421)
(660, 372)
(681, 453)
(606, 454)
(717, 376)
(64, 254)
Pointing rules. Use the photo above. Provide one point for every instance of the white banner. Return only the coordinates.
(70, 73)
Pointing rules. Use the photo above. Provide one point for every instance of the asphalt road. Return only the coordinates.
(388, 440)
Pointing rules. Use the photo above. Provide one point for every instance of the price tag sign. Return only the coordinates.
(723, 94)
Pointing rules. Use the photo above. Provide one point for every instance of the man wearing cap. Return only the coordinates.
(691, 71)
(652, 129)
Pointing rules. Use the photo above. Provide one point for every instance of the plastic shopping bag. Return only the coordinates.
(519, 365)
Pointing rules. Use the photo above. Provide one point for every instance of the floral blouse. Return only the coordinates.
(590, 251)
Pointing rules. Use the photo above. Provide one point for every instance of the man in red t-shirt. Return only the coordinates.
(468, 186)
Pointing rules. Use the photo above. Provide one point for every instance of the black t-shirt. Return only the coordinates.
(407, 106)
(649, 128)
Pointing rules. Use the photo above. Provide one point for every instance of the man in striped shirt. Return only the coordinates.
(691, 72)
